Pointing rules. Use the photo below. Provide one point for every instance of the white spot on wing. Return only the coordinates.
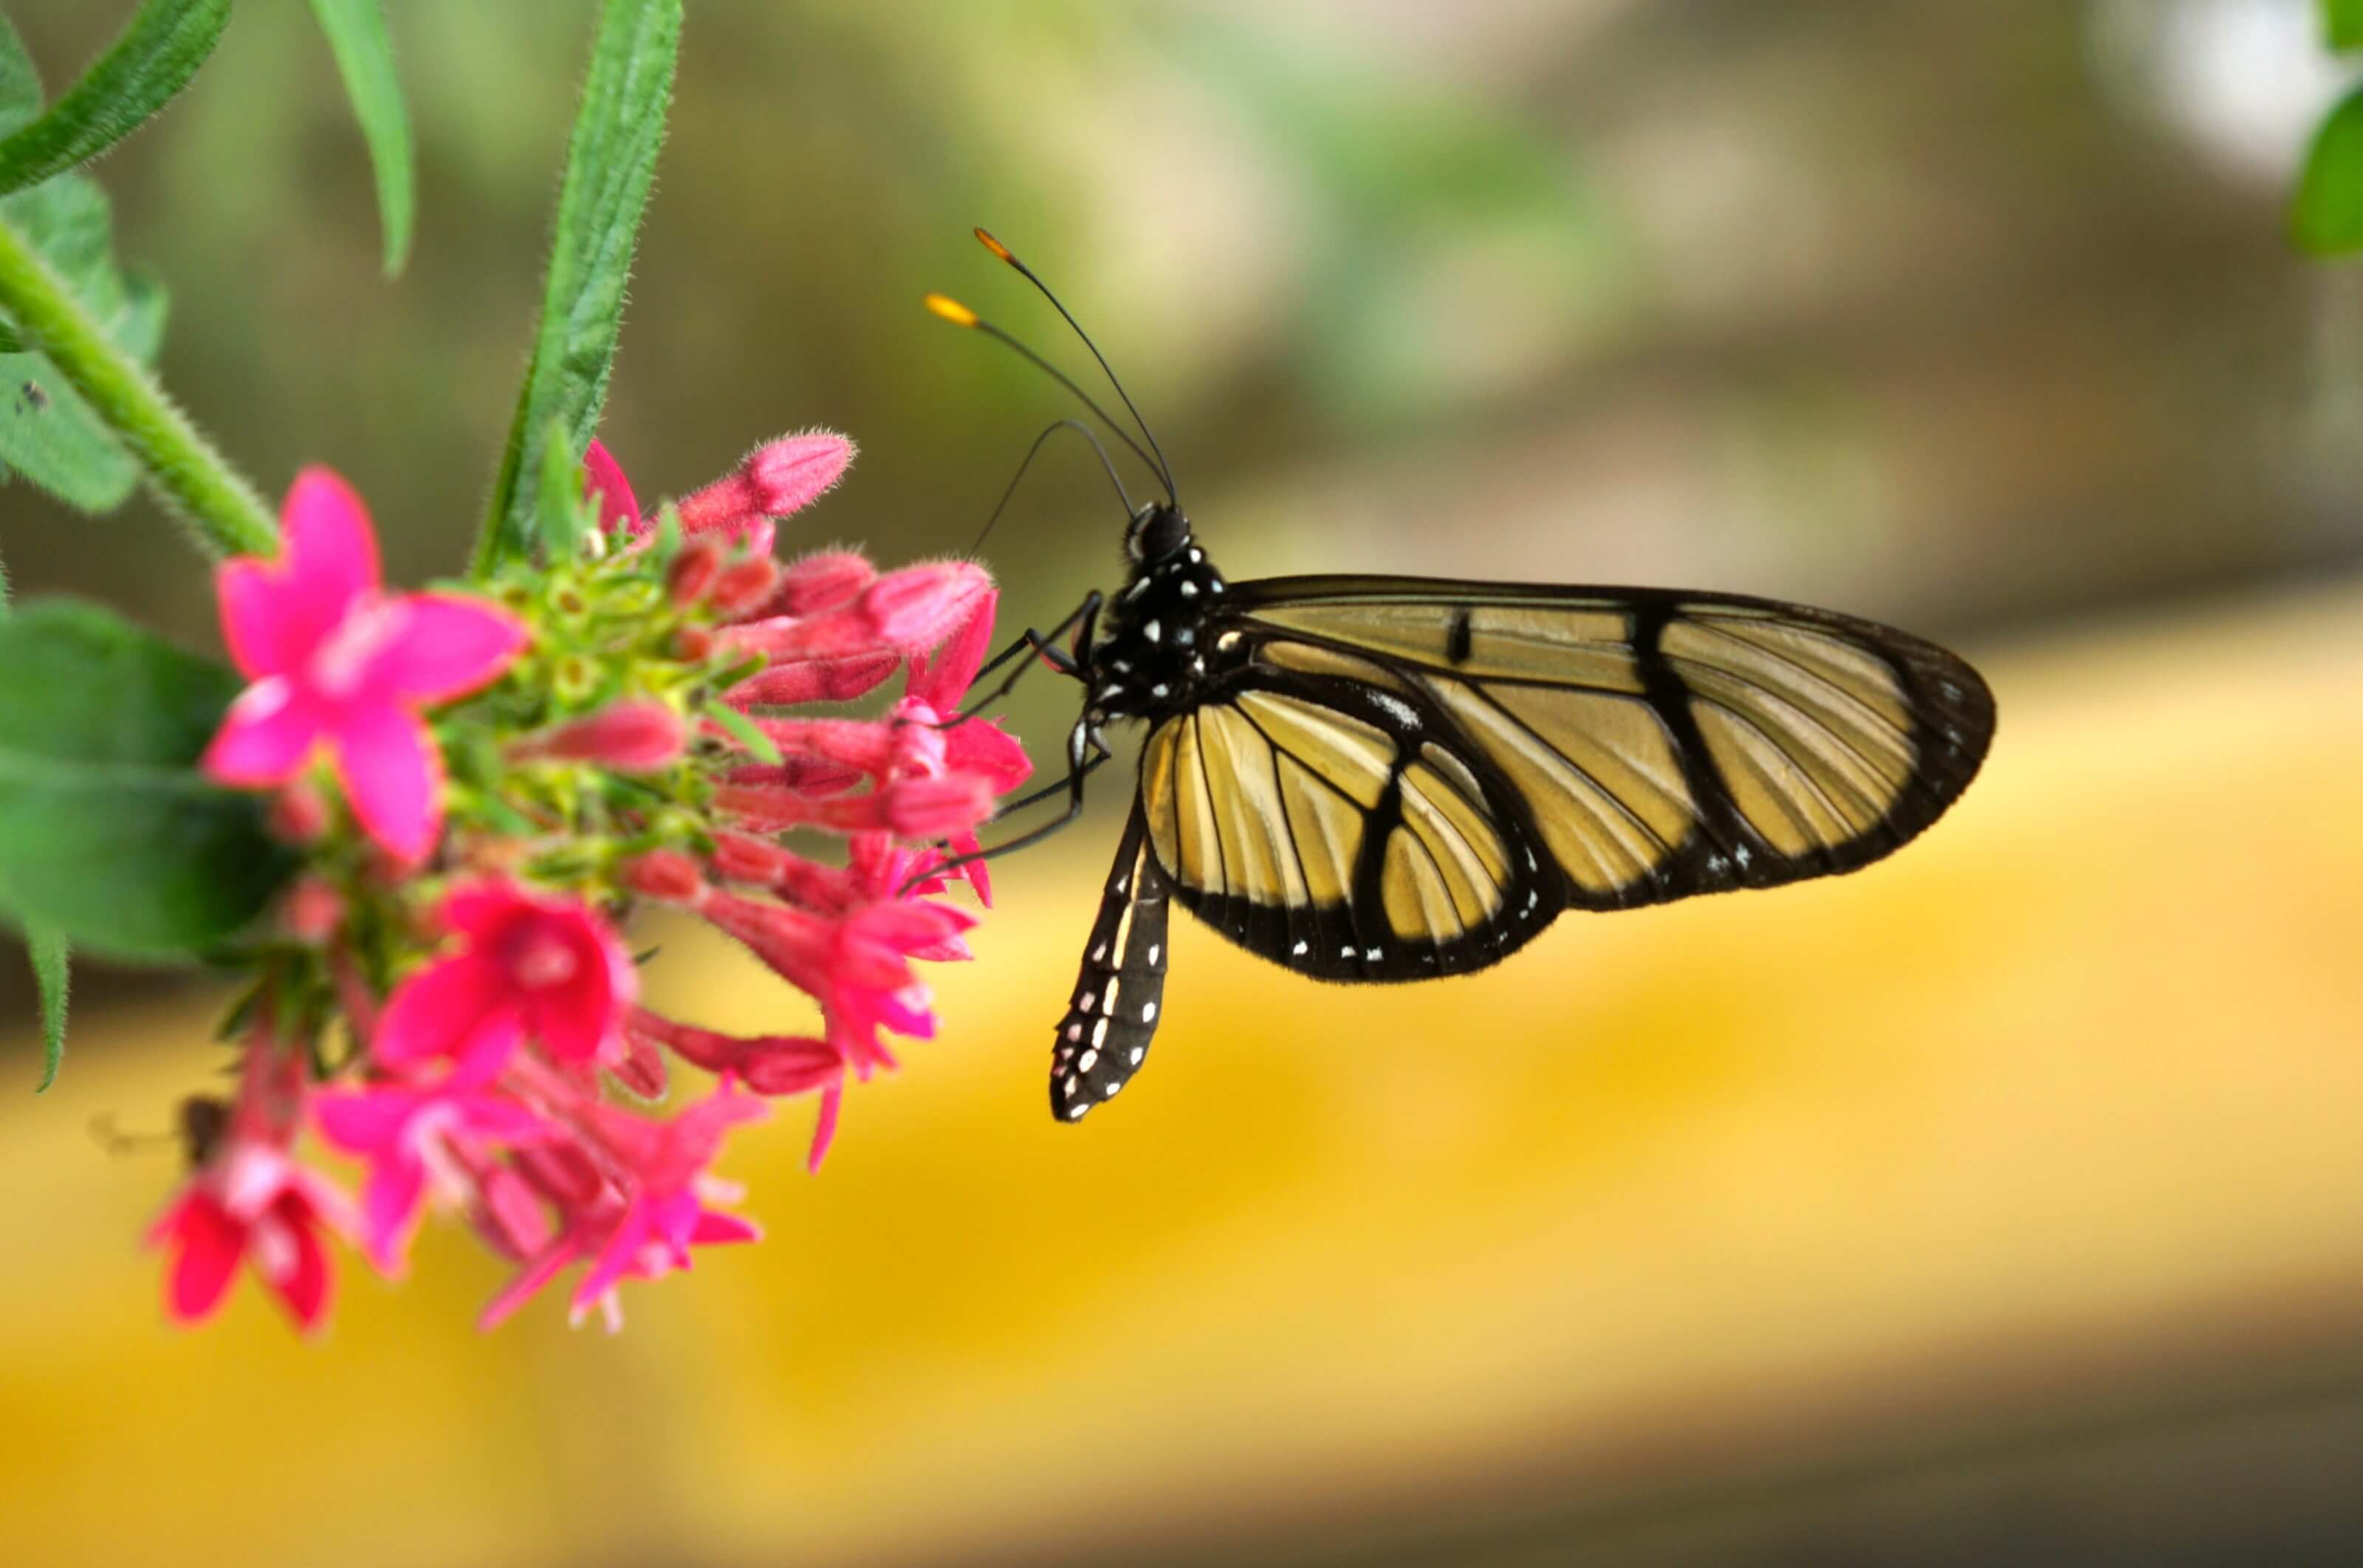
(1403, 712)
(1154, 632)
(1149, 1013)
(1090, 1059)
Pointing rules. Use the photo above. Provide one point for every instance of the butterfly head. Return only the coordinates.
(1158, 530)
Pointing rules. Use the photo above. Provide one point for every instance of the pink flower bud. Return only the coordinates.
(694, 644)
(744, 585)
(642, 1070)
(774, 480)
(790, 473)
(919, 606)
(297, 815)
(911, 809)
(665, 874)
(312, 912)
(739, 858)
(838, 680)
(694, 570)
(637, 737)
(791, 1065)
(829, 580)
(931, 808)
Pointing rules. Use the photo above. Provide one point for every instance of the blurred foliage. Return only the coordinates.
(2327, 217)
(364, 53)
(48, 434)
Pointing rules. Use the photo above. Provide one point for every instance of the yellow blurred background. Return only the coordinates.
(2001, 1203)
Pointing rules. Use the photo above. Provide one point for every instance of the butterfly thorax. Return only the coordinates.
(1155, 656)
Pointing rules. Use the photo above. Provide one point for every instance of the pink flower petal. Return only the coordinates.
(604, 477)
(614, 1260)
(940, 680)
(437, 1012)
(393, 1200)
(392, 777)
(487, 1049)
(714, 1227)
(267, 735)
(825, 1126)
(262, 623)
(527, 1285)
(306, 1287)
(208, 1246)
(360, 1122)
(332, 549)
(500, 1120)
(483, 910)
(448, 646)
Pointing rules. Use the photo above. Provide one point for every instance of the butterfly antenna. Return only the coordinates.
(959, 314)
(1080, 428)
(1164, 469)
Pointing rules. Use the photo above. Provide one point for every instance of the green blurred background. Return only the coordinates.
(2002, 1204)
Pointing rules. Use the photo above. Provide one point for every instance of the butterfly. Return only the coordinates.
(1383, 778)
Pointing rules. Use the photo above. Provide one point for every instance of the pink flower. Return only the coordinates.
(251, 1202)
(529, 965)
(404, 1132)
(646, 1226)
(339, 665)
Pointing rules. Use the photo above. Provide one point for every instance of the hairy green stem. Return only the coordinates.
(224, 514)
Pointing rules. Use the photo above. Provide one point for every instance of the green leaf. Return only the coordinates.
(154, 59)
(2342, 22)
(743, 730)
(110, 838)
(49, 434)
(2328, 218)
(610, 159)
(357, 36)
(566, 520)
(48, 952)
(20, 83)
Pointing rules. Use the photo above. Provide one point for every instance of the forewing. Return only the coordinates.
(1104, 1037)
(1660, 743)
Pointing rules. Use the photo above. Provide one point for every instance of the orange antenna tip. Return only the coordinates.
(952, 310)
(995, 247)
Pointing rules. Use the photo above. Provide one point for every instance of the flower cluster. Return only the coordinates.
(483, 782)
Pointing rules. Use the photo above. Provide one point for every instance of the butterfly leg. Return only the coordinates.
(1086, 616)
